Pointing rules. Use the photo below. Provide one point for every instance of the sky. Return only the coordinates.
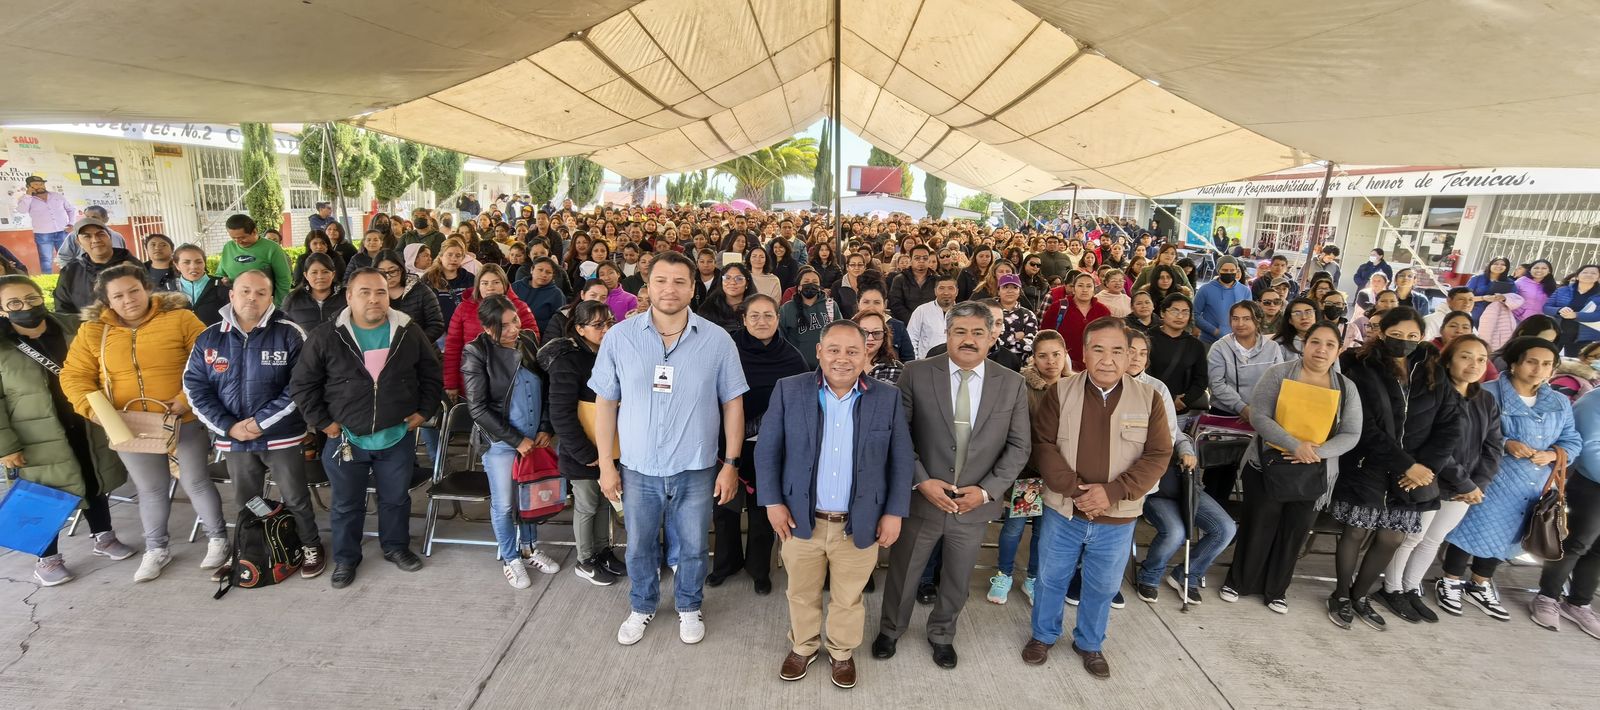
(855, 152)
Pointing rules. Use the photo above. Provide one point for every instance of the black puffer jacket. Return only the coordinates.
(1476, 458)
(422, 304)
(567, 365)
(303, 309)
(489, 372)
(1402, 424)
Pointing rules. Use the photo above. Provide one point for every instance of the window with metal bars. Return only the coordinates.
(1565, 229)
(1281, 224)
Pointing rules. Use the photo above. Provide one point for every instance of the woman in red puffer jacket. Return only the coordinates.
(464, 324)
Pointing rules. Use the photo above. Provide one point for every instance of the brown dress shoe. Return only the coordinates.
(794, 666)
(844, 672)
(1036, 652)
(1094, 662)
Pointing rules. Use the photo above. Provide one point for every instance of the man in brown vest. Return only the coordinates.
(1101, 440)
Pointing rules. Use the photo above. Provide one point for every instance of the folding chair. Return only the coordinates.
(463, 484)
(218, 469)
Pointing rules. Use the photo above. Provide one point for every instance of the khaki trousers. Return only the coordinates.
(809, 562)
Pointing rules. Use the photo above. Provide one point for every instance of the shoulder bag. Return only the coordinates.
(1547, 526)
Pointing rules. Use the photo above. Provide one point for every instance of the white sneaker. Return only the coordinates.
(543, 562)
(691, 628)
(516, 574)
(150, 566)
(217, 553)
(632, 629)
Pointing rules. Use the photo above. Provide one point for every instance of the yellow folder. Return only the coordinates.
(1307, 411)
(586, 415)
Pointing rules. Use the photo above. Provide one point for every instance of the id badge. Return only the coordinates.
(661, 383)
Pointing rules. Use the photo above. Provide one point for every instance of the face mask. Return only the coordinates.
(30, 318)
(1333, 313)
(1374, 259)
(810, 291)
(1394, 347)
(1227, 279)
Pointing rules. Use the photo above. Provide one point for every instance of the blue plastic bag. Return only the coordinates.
(31, 515)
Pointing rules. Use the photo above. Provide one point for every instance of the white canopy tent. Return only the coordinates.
(1016, 98)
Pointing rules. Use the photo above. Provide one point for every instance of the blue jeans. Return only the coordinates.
(648, 503)
(1103, 549)
(47, 243)
(498, 462)
(1167, 515)
(1011, 538)
(390, 470)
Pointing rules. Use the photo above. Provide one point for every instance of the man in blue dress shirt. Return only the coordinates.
(668, 378)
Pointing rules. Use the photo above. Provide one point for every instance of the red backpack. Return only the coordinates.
(541, 491)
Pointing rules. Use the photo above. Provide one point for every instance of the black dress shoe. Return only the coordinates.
(926, 593)
(343, 575)
(883, 647)
(405, 559)
(944, 654)
(763, 587)
(715, 580)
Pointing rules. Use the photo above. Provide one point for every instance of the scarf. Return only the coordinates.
(764, 364)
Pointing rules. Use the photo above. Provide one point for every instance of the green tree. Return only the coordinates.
(977, 203)
(822, 177)
(543, 178)
(357, 164)
(399, 167)
(1011, 213)
(441, 173)
(583, 177)
(258, 168)
(754, 174)
(934, 190)
(776, 192)
(693, 188)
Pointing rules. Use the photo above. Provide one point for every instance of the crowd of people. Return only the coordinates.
(900, 389)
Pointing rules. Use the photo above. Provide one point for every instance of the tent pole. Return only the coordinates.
(338, 185)
(1072, 209)
(838, 136)
(1311, 228)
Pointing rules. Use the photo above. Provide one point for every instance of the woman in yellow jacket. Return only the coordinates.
(135, 343)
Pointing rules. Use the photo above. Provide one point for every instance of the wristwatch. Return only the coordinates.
(734, 462)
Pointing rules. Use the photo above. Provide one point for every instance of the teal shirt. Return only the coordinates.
(374, 344)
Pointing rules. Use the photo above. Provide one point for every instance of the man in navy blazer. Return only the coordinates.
(833, 468)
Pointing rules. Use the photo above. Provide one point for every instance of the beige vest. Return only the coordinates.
(1130, 426)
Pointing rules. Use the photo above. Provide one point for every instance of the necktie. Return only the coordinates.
(963, 416)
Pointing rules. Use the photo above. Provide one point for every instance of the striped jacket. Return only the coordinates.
(233, 375)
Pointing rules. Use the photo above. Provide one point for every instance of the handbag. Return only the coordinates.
(1025, 499)
(152, 432)
(1547, 526)
(1285, 481)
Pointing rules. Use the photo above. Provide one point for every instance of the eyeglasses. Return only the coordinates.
(761, 316)
(16, 304)
(873, 334)
(733, 279)
(389, 272)
(1272, 302)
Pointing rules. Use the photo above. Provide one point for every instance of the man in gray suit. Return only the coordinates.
(970, 436)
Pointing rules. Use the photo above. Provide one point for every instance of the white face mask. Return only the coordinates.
(1374, 259)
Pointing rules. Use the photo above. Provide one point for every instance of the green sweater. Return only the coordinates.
(264, 255)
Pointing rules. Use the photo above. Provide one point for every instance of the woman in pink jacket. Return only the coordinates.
(1535, 288)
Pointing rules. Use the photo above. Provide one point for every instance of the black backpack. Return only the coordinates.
(266, 550)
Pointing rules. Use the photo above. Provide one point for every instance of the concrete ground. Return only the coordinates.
(455, 635)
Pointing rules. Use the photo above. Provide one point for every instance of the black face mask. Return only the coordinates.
(1227, 279)
(30, 318)
(1333, 313)
(810, 291)
(1394, 347)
